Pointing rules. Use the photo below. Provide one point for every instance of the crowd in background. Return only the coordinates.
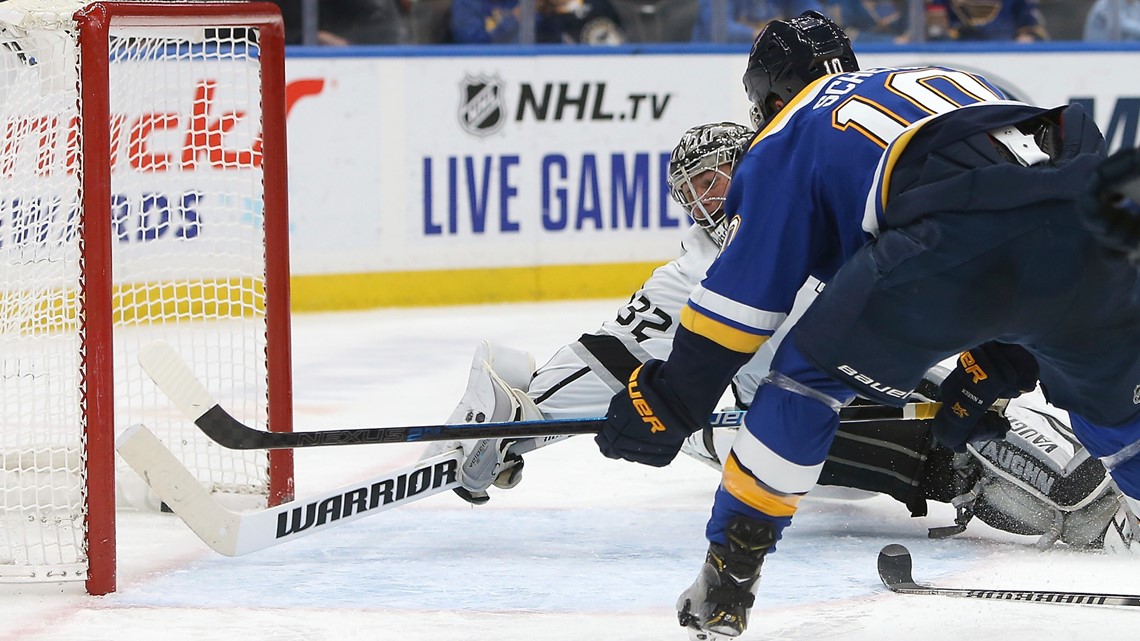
(603, 22)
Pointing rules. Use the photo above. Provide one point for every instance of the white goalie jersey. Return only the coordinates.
(582, 377)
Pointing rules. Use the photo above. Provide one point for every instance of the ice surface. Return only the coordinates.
(585, 548)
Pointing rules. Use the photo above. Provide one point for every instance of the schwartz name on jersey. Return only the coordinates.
(802, 214)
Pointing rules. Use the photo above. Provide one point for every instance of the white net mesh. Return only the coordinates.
(188, 262)
(41, 420)
(189, 250)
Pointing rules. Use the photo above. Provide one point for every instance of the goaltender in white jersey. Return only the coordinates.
(581, 377)
(1037, 481)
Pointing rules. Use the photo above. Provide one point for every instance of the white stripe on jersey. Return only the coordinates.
(752, 317)
(771, 469)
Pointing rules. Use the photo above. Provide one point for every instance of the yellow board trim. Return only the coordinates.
(318, 293)
(142, 304)
(740, 484)
(57, 310)
(719, 333)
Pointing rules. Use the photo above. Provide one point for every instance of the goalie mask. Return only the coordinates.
(700, 170)
(789, 54)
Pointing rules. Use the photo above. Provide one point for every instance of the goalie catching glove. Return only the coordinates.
(1039, 481)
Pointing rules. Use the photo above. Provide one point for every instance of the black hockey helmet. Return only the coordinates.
(788, 54)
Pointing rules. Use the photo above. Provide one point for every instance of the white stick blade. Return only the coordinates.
(234, 534)
(363, 498)
(177, 487)
(171, 374)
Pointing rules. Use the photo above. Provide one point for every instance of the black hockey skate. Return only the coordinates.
(716, 606)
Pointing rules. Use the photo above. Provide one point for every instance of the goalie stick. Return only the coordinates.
(895, 573)
(233, 533)
(171, 374)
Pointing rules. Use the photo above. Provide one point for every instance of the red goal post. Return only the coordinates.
(143, 196)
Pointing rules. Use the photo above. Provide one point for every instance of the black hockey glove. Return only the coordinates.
(645, 422)
(1110, 207)
(991, 426)
(983, 375)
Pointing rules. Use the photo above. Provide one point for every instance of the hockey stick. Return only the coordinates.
(233, 533)
(171, 374)
(895, 572)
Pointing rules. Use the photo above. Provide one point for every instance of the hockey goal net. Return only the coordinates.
(142, 197)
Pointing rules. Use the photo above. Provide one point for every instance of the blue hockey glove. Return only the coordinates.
(983, 375)
(1110, 206)
(645, 422)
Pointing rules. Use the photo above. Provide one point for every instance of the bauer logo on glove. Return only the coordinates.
(644, 423)
(642, 406)
(983, 375)
(970, 364)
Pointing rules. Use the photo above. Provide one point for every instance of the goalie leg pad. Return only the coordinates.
(495, 372)
(710, 445)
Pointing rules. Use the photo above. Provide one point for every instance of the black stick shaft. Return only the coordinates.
(230, 433)
(224, 429)
(1035, 596)
(895, 572)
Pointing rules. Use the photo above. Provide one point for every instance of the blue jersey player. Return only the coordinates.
(942, 218)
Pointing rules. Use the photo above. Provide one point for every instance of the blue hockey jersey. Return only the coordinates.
(799, 196)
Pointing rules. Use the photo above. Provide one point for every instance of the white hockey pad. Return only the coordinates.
(1123, 534)
(496, 387)
(697, 445)
(234, 534)
(495, 392)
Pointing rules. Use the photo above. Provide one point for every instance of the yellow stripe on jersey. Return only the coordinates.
(806, 95)
(720, 333)
(893, 153)
(745, 487)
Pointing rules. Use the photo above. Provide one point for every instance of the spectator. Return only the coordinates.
(871, 20)
(1110, 20)
(366, 21)
(747, 17)
(1016, 20)
(592, 22)
(485, 21)
(346, 22)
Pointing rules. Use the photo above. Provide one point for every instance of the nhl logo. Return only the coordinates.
(482, 108)
(1136, 395)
